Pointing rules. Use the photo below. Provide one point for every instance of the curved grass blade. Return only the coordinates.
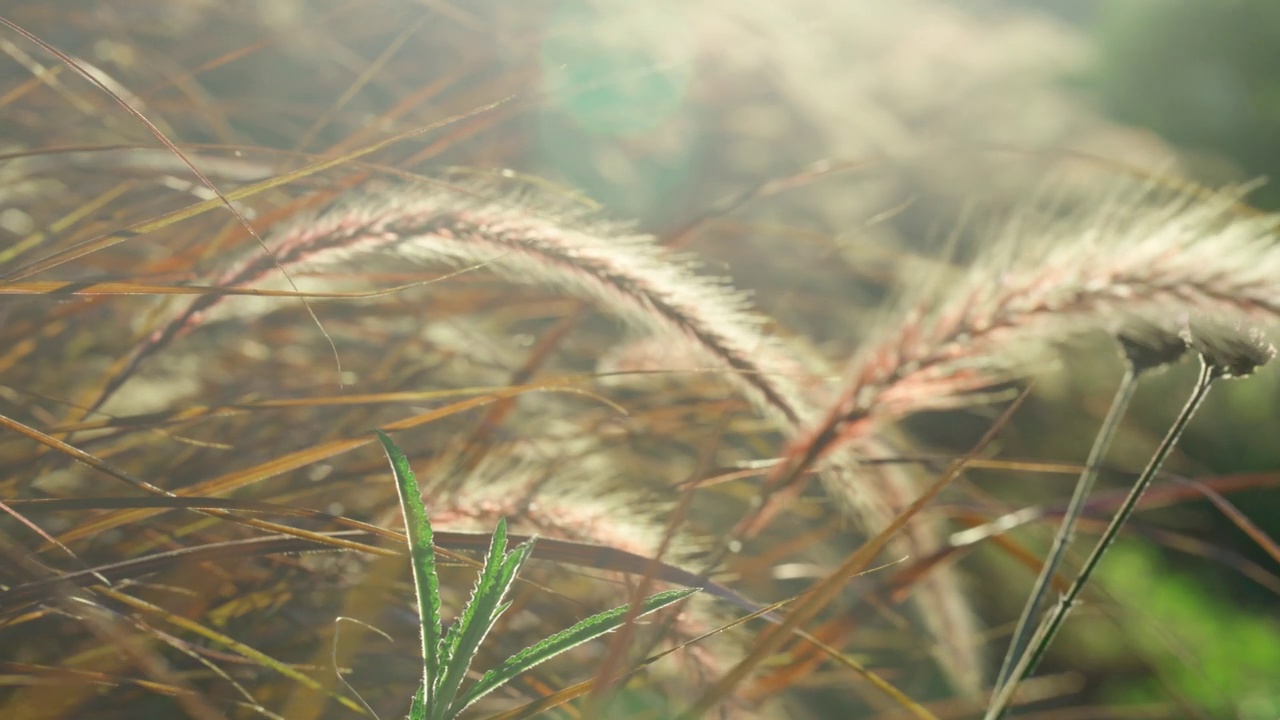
(248, 652)
(271, 468)
(425, 580)
(116, 237)
(1032, 609)
(582, 632)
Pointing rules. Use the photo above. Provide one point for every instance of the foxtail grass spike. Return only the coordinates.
(1139, 262)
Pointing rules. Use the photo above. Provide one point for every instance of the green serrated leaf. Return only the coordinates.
(418, 706)
(515, 559)
(486, 582)
(479, 616)
(582, 632)
(423, 557)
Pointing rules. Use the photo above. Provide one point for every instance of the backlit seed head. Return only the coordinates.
(1233, 352)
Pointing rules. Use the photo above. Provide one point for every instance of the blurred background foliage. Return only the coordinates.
(689, 103)
(1202, 75)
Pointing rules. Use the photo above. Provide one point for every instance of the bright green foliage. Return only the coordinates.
(1220, 658)
(446, 657)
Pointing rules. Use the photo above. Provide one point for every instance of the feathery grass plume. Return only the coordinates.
(533, 241)
(539, 240)
(1148, 350)
(1139, 258)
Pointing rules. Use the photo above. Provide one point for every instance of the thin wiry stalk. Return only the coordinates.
(1048, 630)
(1142, 355)
(1066, 531)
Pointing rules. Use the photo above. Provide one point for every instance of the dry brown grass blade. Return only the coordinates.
(15, 673)
(163, 138)
(7, 508)
(366, 76)
(240, 53)
(823, 168)
(92, 288)
(38, 591)
(496, 414)
(137, 229)
(78, 455)
(129, 108)
(817, 647)
(276, 466)
(560, 697)
(234, 645)
(803, 661)
(1264, 577)
(1240, 520)
(1181, 490)
(896, 589)
(817, 597)
(198, 412)
(91, 461)
(27, 86)
(81, 212)
(1029, 559)
(214, 507)
(567, 552)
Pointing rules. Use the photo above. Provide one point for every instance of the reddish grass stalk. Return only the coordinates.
(1130, 264)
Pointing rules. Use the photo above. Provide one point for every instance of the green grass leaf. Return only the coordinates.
(480, 614)
(582, 632)
(418, 708)
(447, 657)
(423, 557)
